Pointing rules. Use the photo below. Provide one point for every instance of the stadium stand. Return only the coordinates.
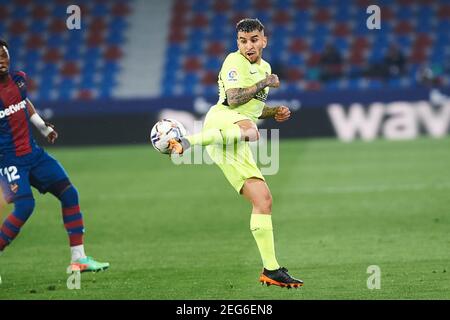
(61, 65)
(87, 63)
(202, 33)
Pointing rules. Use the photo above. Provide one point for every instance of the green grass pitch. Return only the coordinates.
(181, 232)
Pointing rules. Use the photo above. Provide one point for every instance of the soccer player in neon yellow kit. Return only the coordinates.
(244, 82)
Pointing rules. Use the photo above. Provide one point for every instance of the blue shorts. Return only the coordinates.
(37, 169)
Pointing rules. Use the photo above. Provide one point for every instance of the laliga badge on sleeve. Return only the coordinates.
(232, 75)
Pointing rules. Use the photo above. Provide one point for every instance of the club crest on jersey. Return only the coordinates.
(232, 75)
(21, 84)
(14, 187)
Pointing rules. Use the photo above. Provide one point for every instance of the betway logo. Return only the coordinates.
(396, 120)
(13, 109)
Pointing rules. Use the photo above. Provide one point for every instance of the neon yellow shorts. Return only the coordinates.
(236, 161)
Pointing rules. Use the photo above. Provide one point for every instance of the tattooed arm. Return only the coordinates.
(240, 96)
(280, 113)
(268, 112)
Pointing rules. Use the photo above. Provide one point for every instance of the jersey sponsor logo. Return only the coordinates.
(13, 109)
(232, 75)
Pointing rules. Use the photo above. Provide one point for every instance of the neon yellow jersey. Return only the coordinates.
(238, 72)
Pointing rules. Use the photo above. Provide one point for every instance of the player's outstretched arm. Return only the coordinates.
(45, 128)
(280, 113)
(240, 96)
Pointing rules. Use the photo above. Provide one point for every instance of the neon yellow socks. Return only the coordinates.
(216, 136)
(261, 227)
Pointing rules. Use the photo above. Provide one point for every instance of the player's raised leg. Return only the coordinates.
(243, 130)
(257, 192)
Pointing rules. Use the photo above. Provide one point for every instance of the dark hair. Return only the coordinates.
(4, 43)
(249, 25)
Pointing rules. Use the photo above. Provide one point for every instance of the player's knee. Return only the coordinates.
(264, 204)
(69, 196)
(23, 208)
(251, 134)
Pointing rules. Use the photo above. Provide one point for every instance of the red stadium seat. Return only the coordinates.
(312, 85)
(215, 48)
(199, 21)
(263, 4)
(64, 2)
(357, 58)
(281, 17)
(177, 36)
(294, 74)
(4, 13)
(95, 38)
(121, 9)
(40, 12)
(403, 27)
(178, 22)
(322, 16)
(386, 13)
(52, 55)
(31, 85)
(221, 6)
(444, 11)
(237, 17)
(302, 4)
(406, 2)
(23, 2)
(70, 69)
(98, 24)
(35, 41)
(298, 45)
(192, 64)
(209, 78)
(422, 40)
(418, 56)
(85, 94)
(18, 27)
(427, 1)
(364, 3)
(112, 53)
(180, 6)
(313, 59)
(359, 43)
(58, 26)
(341, 29)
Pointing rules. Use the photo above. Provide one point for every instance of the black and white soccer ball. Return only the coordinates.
(163, 131)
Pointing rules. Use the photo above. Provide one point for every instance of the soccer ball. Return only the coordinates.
(163, 129)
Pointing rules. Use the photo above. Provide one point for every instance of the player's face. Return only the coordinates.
(251, 45)
(4, 60)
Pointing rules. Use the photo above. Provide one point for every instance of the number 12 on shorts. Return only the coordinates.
(10, 173)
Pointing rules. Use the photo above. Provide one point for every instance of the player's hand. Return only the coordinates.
(52, 136)
(272, 80)
(282, 114)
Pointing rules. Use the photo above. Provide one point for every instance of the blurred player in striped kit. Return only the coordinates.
(24, 164)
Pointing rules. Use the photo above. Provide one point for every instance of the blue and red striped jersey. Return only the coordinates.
(15, 131)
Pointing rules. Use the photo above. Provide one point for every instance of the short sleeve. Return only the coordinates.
(234, 72)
